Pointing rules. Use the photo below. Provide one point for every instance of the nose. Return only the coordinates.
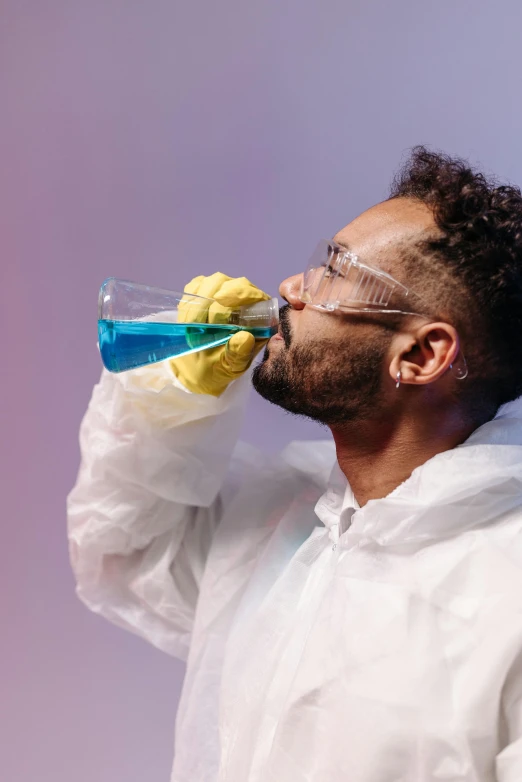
(290, 289)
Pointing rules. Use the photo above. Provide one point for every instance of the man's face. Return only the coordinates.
(333, 367)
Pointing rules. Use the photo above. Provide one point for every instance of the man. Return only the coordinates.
(354, 618)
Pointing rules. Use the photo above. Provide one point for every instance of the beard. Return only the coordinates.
(330, 382)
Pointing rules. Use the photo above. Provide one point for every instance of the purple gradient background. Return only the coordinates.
(157, 140)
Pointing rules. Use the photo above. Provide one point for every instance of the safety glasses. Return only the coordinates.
(337, 280)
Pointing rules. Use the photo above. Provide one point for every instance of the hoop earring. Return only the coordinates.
(397, 384)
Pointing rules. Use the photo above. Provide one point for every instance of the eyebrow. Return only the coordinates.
(344, 245)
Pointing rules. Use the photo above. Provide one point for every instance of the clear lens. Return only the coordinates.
(335, 278)
(370, 288)
(315, 270)
(323, 279)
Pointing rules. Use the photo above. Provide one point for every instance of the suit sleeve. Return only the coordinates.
(148, 498)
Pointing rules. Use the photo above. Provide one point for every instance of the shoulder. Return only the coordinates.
(503, 537)
(486, 563)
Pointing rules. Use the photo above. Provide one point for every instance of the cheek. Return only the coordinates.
(321, 328)
(313, 325)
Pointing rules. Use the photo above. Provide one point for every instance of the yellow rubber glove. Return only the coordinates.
(211, 370)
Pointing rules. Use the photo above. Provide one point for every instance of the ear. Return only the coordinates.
(424, 355)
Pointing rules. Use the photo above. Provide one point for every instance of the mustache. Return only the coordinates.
(284, 323)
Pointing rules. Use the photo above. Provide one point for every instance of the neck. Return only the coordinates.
(377, 456)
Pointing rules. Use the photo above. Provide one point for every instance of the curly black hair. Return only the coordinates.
(472, 269)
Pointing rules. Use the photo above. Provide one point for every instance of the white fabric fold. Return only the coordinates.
(324, 641)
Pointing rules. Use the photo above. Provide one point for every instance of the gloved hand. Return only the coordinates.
(211, 370)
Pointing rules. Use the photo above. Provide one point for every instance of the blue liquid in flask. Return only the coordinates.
(127, 344)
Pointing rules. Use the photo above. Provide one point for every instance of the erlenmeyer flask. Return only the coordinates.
(139, 324)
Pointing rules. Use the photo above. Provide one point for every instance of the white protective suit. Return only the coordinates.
(393, 656)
